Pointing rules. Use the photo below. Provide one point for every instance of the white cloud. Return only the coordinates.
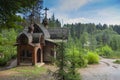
(77, 20)
(69, 5)
(101, 18)
(80, 20)
(96, 20)
(64, 19)
(108, 15)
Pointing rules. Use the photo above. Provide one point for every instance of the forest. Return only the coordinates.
(93, 37)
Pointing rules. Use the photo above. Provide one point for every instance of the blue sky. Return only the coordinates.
(85, 11)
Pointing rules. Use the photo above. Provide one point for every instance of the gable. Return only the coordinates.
(41, 29)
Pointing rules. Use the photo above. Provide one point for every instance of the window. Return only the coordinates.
(26, 56)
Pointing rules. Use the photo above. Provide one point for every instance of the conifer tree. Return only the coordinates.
(66, 65)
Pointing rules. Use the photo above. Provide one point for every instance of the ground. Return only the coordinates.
(27, 73)
(106, 70)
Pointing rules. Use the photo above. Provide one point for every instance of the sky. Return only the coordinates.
(85, 11)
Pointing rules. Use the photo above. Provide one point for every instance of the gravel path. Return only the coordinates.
(106, 70)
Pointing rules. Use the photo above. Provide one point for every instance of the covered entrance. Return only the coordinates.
(39, 56)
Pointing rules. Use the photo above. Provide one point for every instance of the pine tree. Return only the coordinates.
(66, 65)
(9, 10)
(60, 74)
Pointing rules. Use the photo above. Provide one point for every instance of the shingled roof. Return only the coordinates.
(50, 34)
(39, 29)
(58, 33)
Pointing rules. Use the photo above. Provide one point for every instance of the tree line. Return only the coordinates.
(96, 35)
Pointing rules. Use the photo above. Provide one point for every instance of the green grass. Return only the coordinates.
(117, 61)
(29, 70)
(114, 55)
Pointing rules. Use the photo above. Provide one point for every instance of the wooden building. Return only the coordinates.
(36, 44)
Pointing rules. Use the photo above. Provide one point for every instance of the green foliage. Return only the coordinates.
(98, 35)
(3, 61)
(84, 39)
(74, 61)
(116, 54)
(92, 57)
(106, 51)
(54, 22)
(93, 42)
(66, 64)
(117, 61)
(29, 70)
(99, 39)
(9, 10)
(7, 50)
(61, 63)
(79, 58)
(75, 76)
(116, 28)
(115, 42)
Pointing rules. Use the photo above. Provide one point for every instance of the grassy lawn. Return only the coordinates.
(29, 70)
(24, 71)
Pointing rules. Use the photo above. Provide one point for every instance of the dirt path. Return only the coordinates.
(106, 70)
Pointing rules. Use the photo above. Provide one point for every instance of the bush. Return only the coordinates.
(73, 77)
(3, 61)
(92, 58)
(7, 40)
(117, 61)
(79, 58)
(116, 54)
(105, 51)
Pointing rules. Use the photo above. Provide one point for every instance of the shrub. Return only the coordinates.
(66, 62)
(116, 54)
(79, 58)
(3, 61)
(73, 77)
(117, 61)
(7, 39)
(92, 58)
(106, 50)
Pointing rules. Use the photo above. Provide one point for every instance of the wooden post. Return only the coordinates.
(55, 54)
(34, 57)
(18, 55)
(41, 56)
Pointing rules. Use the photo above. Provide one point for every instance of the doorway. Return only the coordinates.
(38, 56)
